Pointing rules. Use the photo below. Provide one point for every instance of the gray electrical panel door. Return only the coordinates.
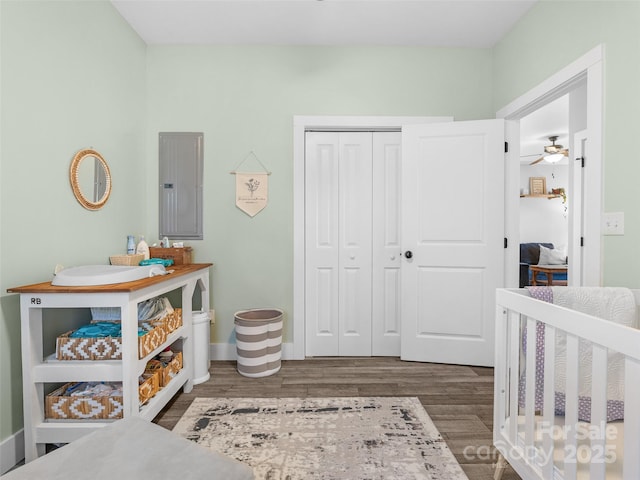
(181, 166)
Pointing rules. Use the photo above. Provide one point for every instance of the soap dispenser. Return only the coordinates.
(131, 245)
(143, 248)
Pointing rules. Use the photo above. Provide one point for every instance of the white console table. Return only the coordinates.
(38, 371)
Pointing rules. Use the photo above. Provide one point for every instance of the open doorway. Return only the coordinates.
(545, 187)
(582, 81)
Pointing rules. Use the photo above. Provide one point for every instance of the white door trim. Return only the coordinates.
(576, 196)
(302, 123)
(589, 67)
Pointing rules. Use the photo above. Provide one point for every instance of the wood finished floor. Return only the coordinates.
(459, 399)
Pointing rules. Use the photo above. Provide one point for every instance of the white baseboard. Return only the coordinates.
(11, 451)
(227, 351)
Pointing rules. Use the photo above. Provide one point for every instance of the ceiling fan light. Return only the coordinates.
(553, 158)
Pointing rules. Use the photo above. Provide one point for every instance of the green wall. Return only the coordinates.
(244, 99)
(532, 52)
(72, 77)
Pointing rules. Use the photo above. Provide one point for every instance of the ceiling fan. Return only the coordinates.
(552, 153)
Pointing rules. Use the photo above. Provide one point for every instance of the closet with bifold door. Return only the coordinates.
(352, 243)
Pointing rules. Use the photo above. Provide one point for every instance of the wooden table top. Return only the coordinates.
(46, 287)
(555, 268)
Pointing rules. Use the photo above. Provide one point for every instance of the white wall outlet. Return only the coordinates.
(613, 223)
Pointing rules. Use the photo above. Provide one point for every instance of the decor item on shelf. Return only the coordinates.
(90, 179)
(349, 437)
(537, 185)
(560, 192)
(252, 188)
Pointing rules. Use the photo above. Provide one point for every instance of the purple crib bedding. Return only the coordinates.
(615, 388)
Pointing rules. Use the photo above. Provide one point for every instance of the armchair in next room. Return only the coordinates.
(530, 255)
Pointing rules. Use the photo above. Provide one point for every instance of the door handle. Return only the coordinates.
(408, 254)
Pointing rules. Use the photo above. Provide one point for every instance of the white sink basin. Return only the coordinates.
(104, 274)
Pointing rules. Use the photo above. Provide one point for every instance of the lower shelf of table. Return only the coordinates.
(65, 431)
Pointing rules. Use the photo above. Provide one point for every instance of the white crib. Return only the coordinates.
(538, 442)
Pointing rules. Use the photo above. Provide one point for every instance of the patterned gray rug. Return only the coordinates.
(353, 438)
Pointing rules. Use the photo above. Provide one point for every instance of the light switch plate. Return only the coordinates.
(613, 223)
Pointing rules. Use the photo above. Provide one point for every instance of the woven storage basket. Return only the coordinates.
(132, 260)
(103, 348)
(173, 321)
(108, 348)
(149, 387)
(167, 373)
(65, 407)
(153, 339)
(180, 256)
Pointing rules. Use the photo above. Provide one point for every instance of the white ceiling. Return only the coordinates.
(438, 23)
(537, 127)
(442, 23)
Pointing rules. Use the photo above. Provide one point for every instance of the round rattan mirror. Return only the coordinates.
(90, 179)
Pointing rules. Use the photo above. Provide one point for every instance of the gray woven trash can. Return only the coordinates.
(258, 341)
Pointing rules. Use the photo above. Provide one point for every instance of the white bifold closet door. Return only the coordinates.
(352, 284)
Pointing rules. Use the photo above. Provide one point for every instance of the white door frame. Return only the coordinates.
(589, 67)
(576, 202)
(301, 124)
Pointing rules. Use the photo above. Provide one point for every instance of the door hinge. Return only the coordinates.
(506, 147)
(506, 242)
(581, 160)
(582, 241)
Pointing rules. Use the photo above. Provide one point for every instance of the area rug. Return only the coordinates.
(355, 438)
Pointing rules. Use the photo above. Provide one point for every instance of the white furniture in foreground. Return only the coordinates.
(541, 445)
(38, 370)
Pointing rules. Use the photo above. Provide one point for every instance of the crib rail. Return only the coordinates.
(527, 438)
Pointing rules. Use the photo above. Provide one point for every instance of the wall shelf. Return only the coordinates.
(548, 196)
